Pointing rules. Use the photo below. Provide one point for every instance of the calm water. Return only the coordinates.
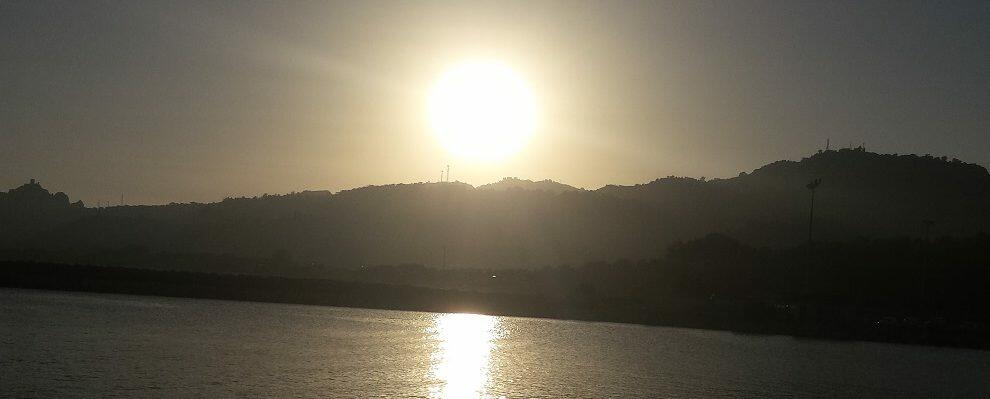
(90, 345)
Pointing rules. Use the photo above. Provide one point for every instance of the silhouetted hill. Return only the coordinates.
(513, 183)
(862, 194)
(512, 223)
(31, 209)
(31, 195)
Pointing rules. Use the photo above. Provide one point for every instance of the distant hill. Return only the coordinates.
(512, 183)
(863, 194)
(31, 209)
(511, 223)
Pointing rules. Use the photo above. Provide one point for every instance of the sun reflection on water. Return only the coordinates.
(461, 362)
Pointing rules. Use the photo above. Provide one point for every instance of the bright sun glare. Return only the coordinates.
(481, 111)
(462, 360)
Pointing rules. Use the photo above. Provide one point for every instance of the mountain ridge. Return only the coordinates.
(525, 223)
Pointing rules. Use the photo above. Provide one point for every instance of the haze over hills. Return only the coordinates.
(511, 183)
(511, 223)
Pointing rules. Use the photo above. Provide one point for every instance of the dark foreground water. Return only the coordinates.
(90, 345)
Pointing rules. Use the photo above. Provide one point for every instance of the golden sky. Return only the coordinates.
(175, 101)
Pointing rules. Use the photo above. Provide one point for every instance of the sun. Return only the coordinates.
(481, 111)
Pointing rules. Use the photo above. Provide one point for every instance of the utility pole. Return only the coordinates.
(448, 173)
(813, 185)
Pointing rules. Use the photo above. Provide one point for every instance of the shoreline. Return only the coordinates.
(344, 294)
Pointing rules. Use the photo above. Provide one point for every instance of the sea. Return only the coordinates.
(83, 345)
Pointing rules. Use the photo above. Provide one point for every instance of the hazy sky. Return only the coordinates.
(181, 101)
